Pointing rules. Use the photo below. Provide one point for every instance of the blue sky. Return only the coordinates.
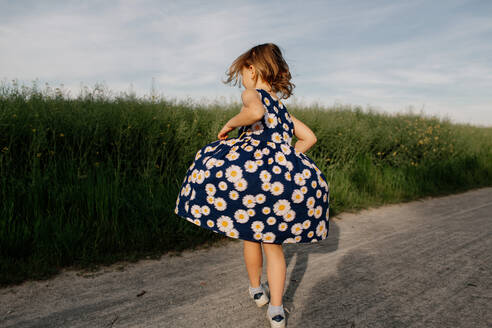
(434, 56)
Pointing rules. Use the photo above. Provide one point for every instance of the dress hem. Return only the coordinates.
(248, 239)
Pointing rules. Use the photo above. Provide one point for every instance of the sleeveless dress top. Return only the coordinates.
(257, 186)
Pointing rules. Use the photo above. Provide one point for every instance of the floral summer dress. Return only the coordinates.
(257, 187)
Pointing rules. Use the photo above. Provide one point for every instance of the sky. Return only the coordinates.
(430, 57)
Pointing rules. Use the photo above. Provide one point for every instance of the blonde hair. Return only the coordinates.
(269, 65)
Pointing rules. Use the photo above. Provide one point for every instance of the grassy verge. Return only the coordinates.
(94, 180)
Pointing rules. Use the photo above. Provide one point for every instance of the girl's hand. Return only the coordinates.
(224, 131)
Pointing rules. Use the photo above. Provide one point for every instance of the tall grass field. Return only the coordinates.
(93, 179)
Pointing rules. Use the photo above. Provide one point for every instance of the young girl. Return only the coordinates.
(258, 187)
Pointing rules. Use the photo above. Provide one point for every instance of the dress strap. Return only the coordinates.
(242, 134)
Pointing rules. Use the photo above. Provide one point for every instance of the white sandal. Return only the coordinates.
(278, 320)
(261, 298)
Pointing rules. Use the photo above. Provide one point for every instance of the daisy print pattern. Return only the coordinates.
(257, 128)
(297, 196)
(280, 158)
(234, 173)
(257, 226)
(241, 184)
(277, 188)
(210, 188)
(289, 215)
(233, 233)
(250, 166)
(220, 203)
(257, 186)
(269, 237)
(276, 169)
(222, 185)
(265, 176)
(249, 201)
(260, 198)
(233, 194)
(281, 207)
(258, 154)
(271, 120)
(224, 223)
(205, 210)
(241, 216)
(276, 137)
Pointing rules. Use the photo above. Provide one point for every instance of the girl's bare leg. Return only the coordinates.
(275, 271)
(253, 258)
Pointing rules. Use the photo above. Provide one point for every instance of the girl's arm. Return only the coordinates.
(251, 112)
(306, 137)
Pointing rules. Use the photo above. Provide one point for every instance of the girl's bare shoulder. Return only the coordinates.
(251, 98)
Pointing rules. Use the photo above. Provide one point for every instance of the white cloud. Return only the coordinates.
(422, 76)
(383, 53)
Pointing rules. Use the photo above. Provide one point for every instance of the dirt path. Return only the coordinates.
(425, 263)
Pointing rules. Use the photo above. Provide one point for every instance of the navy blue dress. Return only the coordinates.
(257, 187)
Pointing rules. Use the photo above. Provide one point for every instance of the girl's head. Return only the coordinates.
(265, 63)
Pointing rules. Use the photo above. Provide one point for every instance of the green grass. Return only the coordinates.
(94, 180)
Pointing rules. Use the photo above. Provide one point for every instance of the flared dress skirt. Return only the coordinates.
(257, 186)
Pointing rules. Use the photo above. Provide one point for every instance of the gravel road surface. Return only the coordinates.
(425, 263)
